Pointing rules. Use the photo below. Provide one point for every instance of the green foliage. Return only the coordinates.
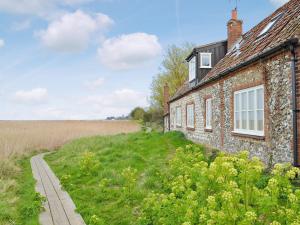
(132, 166)
(174, 71)
(130, 177)
(137, 113)
(154, 115)
(225, 191)
(19, 203)
(32, 209)
(89, 163)
(95, 220)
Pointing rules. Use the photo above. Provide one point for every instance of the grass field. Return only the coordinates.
(99, 172)
(19, 137)
(19, 140)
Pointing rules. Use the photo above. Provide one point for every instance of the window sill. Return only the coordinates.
(208, 130)
(205, 67)
(256, 137)
(190, 128)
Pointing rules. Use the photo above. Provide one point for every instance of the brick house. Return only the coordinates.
(244, 93)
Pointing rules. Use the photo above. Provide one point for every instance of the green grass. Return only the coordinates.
(96, 180)
(19, 203)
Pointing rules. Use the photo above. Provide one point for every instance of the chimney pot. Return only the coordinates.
(234, 14)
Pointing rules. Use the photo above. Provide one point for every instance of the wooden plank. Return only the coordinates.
(56, 208)
(68, 204)
(59, 207)
(45, 216)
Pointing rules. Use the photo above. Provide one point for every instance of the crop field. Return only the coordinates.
(19, 137)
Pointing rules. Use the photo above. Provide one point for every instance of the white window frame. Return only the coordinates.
(192, 69)
(203, 54)
(190, 115)
(208, 113)
(255, 110)
(178, 121)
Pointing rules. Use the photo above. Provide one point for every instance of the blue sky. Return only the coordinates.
(89, 59)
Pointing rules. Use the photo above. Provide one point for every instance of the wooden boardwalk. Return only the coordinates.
(59, 207)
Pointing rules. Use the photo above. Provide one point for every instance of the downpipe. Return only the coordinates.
(294, 106)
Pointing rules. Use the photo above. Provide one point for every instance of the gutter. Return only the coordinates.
(294, 105)
(286, 44)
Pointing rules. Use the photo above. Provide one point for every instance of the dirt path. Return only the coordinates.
(59, 207)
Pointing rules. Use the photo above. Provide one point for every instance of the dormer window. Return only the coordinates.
(192, 69)
(205, 60)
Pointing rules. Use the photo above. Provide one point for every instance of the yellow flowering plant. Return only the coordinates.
(231, 189)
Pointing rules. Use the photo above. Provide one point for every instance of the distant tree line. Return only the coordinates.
(123, 117)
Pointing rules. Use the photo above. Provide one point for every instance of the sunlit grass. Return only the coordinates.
(19, 203)
(97, 173)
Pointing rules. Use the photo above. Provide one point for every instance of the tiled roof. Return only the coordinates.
(182, 90)
(251, 45)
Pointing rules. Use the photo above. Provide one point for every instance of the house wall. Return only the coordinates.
(276, 146)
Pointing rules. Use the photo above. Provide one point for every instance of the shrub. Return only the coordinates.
(89, 163)
(232, 189)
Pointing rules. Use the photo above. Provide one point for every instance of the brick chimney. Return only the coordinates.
(166, 98)
(234, 29)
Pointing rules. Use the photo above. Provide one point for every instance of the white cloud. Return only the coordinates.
(37, 7)
(123, 98)
(129, 51)
(34, 96)
(2, 43)
(278, 3)
(95, 84)
(73, 31)
(120, 102)
(76, 2)
(21, 25)
(49, 113)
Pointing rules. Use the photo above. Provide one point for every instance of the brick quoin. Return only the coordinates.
(222, 106)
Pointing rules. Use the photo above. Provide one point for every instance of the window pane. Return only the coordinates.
(244, 120)
(251, 100)
(260, 98)
(190, 116)
(237, 120)
(192, 69)
(251, 120)
(237, 102)
(208, 113)
(244, 101)
(205, 60)
(260, 115)
(178, 116)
